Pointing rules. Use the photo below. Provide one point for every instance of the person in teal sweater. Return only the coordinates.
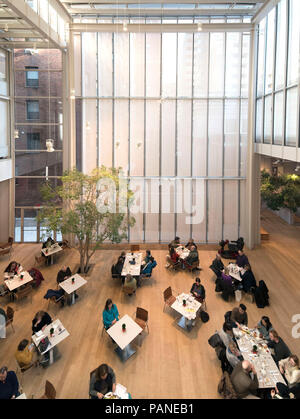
(110, 314)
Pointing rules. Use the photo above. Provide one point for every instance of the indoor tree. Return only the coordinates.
(94, 208)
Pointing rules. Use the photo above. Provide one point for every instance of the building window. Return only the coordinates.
(33, 110)
(33, 141)
(32, 77)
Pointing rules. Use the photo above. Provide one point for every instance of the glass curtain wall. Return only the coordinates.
(38, 117)
(170, 109)
(4, 106)
(277, 88)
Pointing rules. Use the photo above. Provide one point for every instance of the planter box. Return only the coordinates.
(286, 214)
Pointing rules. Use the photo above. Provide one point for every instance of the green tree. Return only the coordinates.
(94, 208)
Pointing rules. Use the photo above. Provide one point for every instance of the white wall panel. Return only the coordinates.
(169, 51)
(244, 136)
(199, 211)
(136, 233)
(105, 133)
(214, 211)
(215, 138)
(217, 65)
(201, 59)
(152, 211)
(89, 135)
(233, 64)
(77, 64)
(153, 46)
(184, 133)
(105, 64)
(185, 64)
(152, 135)
(168, 138)
(137, 64)
(121, 134)
(184, 207)
(199, 137)
(168, 208)
(121, 64)
(137, 130)
(89, 63)
(231, 138)
(231, 206)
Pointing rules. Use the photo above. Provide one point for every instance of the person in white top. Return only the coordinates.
(289, 367)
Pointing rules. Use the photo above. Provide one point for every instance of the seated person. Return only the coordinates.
(147, 257)
(226, 334)
(239, 316)
(103, 381)
(63, 274)
(25, 354)
(175, 243)
(193, 257)
(150, 265)
(233, 355)
(248, 279)
(48, 243)
(226, 277)
(130, 282)
(289, 368)
(118, 267)
(37, 276)
(264, 327)
(190, 244)
(242, 381)
(110, 314)
(281, 392)
(122, 256)
(281, 350)
(217, 265)
(198, 290)
(242, 259)
(172, 257)
(57, 294)
(40, 321)
(13, 268)
(9, 385)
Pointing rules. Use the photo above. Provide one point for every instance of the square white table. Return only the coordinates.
(17, 282)
(55, 248)
(58, 336)
(123, 339)
(235, 271)
(182, 252)
(188, 312)
(70, 287)
(268, 373)
(135, 269)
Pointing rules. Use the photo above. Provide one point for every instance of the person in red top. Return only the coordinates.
(172, 257)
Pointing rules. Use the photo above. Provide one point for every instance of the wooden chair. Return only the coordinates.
(135, 247)
(141, 318)
(128, 290)
(10, 317)
(55, 300)
(20, 371)
(39, 259)
(50, 392)
(6, 248)
(168, 297)
(24, 292)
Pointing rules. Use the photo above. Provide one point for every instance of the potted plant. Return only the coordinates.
(184, 303)
(123, 327)
(51, 331)
(254, 349)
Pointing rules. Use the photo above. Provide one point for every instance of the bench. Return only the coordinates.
(264, 235)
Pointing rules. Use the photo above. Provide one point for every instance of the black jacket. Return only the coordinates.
(46, 320)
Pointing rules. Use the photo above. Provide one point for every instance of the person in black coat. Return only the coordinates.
(217, 266)
(41, 319)
(248, 279)
(281, 350)
(9, 385)
(63, 274)
(198, 290)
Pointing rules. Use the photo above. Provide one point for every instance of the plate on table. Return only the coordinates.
(111, 395)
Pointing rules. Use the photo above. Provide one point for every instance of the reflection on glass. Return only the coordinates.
(270, 51)
(268, 120)
(261, 57)
(4, 130)
(38, 164)
(278, 119)
(281, 44)
(294, 31)
(258, 136)
(291, 117)
(28, 193)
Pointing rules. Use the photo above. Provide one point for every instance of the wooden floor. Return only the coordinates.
(170, 363)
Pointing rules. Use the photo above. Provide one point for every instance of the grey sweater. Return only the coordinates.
(93, 392)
